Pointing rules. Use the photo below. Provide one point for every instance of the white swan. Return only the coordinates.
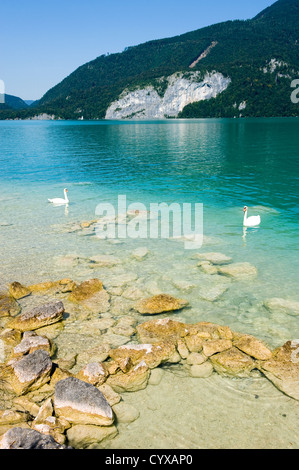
(252, 221)
(59, 200)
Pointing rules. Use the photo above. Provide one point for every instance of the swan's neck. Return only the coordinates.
(245, 216)
(65, 197)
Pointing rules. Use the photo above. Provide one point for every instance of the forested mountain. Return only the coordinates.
(12, 102)
(260, 56)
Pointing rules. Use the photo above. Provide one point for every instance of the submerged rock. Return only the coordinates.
(207, 267)
(213, 294)
(103, 261)
(125, 413)
(214, 258)
(111, 396)
(97, 303)
(81, 403)
(82, 436)
(63, 285)
(201, 371)
(140, 253)
(159, 304)
(38, 317)
(277, 305)
(85, 290)
(9, 307)
(238, 270)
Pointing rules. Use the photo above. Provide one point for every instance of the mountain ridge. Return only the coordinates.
(243, 51)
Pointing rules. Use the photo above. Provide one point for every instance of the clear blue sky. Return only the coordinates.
(43, 41)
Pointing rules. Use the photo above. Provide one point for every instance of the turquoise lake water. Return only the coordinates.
(223, 164)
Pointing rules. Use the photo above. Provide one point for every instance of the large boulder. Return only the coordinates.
(38, 317)
(28, 373)
(18, 438)
(159, 304)
(283, 369)
(81, 403)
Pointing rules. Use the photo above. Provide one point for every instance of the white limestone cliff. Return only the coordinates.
(146, 103)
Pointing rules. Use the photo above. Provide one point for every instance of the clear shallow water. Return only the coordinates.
(223, 164)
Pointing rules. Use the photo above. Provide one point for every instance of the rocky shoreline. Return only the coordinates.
(56, 393)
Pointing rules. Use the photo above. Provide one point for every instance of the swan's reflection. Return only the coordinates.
(244, 235)
(66, 208)
(245, 231)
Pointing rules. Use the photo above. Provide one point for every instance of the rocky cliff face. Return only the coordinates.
(147, 103)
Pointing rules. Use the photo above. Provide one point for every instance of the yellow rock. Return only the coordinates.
(12, 417)
(85, 290)
(28, 373)
(18, 291)
(94, 373)
(159, 304)
(233, 363)
(194, 342)
(253, 347)
(134, 380)
(38, 317)
(161, 330)
(8, 305)
(216, 346)
(82, 436)
(152, 355)
(283, 369)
